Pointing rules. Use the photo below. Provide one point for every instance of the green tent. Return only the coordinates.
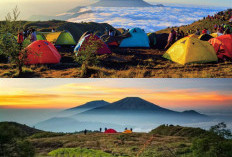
(40, 36)
(60, 38)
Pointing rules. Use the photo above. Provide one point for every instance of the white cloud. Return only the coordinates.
(149, 18)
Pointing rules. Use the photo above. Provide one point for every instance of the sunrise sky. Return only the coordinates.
(66, 93)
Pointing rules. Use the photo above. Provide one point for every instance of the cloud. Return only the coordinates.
(149, 18)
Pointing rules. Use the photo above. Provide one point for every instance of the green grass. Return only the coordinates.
(82, 152)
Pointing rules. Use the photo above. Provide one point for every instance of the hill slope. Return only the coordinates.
(28, 131)
(170, 130)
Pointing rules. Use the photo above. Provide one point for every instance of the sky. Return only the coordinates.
(178, 94)
(54, 7)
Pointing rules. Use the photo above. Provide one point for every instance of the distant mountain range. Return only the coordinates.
(130, 111)
(75, 12)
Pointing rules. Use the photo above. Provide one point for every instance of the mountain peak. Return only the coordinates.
(132, 103)
(192, 112)
(91, 104)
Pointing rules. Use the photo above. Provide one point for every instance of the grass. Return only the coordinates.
(115, 144)
(70, 152)
(124, 63)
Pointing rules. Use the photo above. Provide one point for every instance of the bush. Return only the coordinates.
(78, 152)
(87, 56)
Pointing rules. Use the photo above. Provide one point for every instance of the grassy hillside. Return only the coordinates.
(170, 130)
(203, 23)
(76, 29)
(28, 131)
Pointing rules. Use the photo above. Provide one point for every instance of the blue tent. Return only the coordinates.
(138, 39)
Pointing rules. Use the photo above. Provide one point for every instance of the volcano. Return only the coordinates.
(121, 3)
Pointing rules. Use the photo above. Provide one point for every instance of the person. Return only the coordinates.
(20, 38)
(182, 34)
(220, 30)
(100, 129)
(227, 31)
(111, 32)
(53, 30)
(208, 32)
(178, 35)
(105, 129)
(125, 128)
(171, 38)
(33, 35)
(85, 131)
(131, 129)
(25, 33)
(204, 31)
(198, 32)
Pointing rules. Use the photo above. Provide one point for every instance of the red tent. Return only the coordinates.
(42, 52)
(223, 46)
(110, 131)
(89, 40)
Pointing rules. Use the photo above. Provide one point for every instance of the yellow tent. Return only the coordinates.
(127, 132)
(191, 50)
(215, 35)
(60, 38)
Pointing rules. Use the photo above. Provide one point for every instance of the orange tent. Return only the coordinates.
(222, 46)
(110, 131)
(42, 52)
(127, 132)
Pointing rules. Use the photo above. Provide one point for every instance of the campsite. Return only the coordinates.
(67, 50)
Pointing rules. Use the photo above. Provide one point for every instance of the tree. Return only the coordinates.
(8, 43)
(87, 56)
(220, 129)
(213, 144)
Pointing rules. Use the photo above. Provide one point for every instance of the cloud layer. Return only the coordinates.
(150, 18)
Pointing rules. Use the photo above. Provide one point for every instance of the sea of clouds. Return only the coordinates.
(148, 18)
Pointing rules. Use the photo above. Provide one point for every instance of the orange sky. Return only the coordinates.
(41, 94)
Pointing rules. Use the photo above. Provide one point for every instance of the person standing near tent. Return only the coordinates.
(53, 30)
(198, 32)
(33, 36)
(171, 37)
(100, 129)
(111, 32)
(204, 31)
(20, 38)
(85, 131)
(25, 33)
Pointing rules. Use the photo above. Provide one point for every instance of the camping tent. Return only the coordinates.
(191, 50)
(205, 37)
(42, 52)
(127, 132)
(110, 131)
(215, 35)
(161, 40)
(138, 39)
(92, 39)
(60, 38)
(40, 36)
(223, 46)
(152, 39)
